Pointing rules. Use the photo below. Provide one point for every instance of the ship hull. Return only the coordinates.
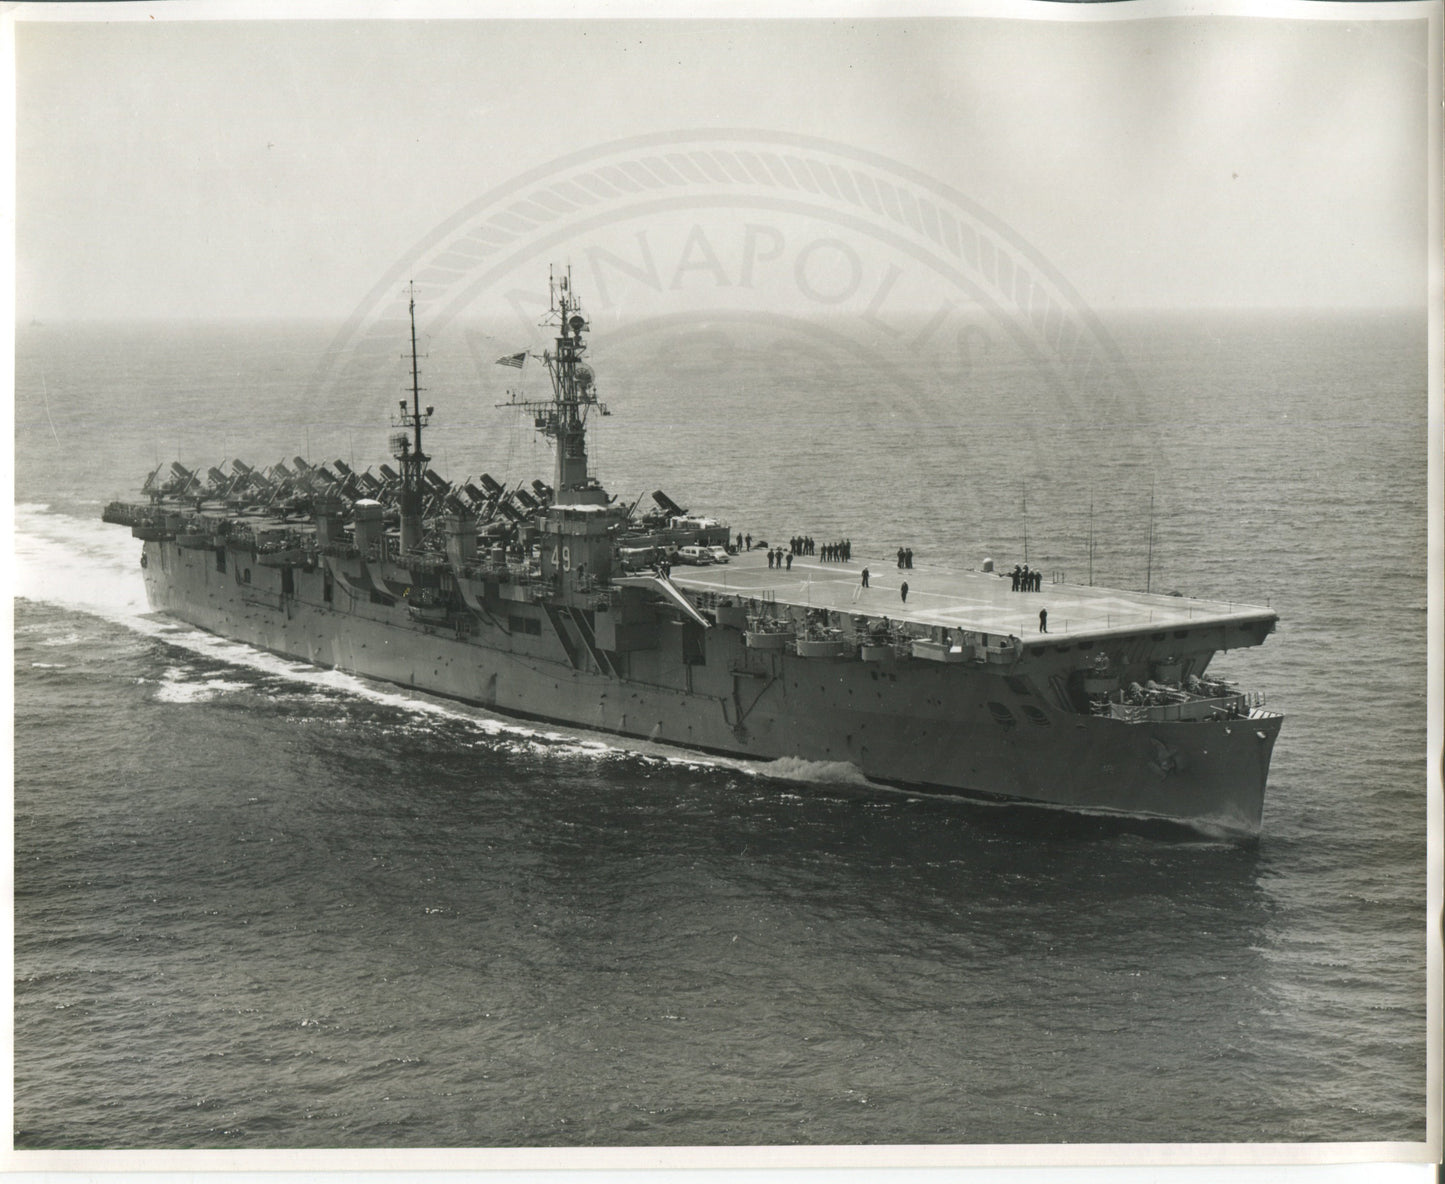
(933, 727)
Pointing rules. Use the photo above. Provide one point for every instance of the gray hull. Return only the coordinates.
(960, 729)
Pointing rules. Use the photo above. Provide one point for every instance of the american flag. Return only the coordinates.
(513, 360)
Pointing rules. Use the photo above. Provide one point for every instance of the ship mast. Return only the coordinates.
(563, 419)
(408, 451)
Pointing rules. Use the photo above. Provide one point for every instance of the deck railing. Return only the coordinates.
(1240, 706)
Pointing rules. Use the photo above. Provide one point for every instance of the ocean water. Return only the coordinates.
(259, 905)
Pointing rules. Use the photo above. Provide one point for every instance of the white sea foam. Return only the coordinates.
(791, 768)
(178, 686)
(183, 692)
(70, 638)
(77, 564)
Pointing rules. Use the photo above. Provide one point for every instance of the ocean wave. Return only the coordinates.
(792, 768)
(69, 637)
(178, 686)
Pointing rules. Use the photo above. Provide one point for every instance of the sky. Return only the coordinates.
(279, 168)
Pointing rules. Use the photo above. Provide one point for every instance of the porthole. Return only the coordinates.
(1002, 715)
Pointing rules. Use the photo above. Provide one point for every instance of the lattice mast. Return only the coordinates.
(408, 450)
(563, 419)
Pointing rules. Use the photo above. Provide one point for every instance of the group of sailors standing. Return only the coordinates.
(839, 552)
(1025, 580)
(905, 557)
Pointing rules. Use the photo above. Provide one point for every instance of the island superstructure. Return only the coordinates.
(557, 601)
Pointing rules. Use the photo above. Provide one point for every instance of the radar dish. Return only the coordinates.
(585, 377)
(577, 324)
(400, 443)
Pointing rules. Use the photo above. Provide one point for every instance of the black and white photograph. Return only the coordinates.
(832, 587)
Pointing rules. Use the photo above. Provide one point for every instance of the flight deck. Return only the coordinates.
(958, 599)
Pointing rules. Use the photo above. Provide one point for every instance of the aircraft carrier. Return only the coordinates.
(555, 601)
